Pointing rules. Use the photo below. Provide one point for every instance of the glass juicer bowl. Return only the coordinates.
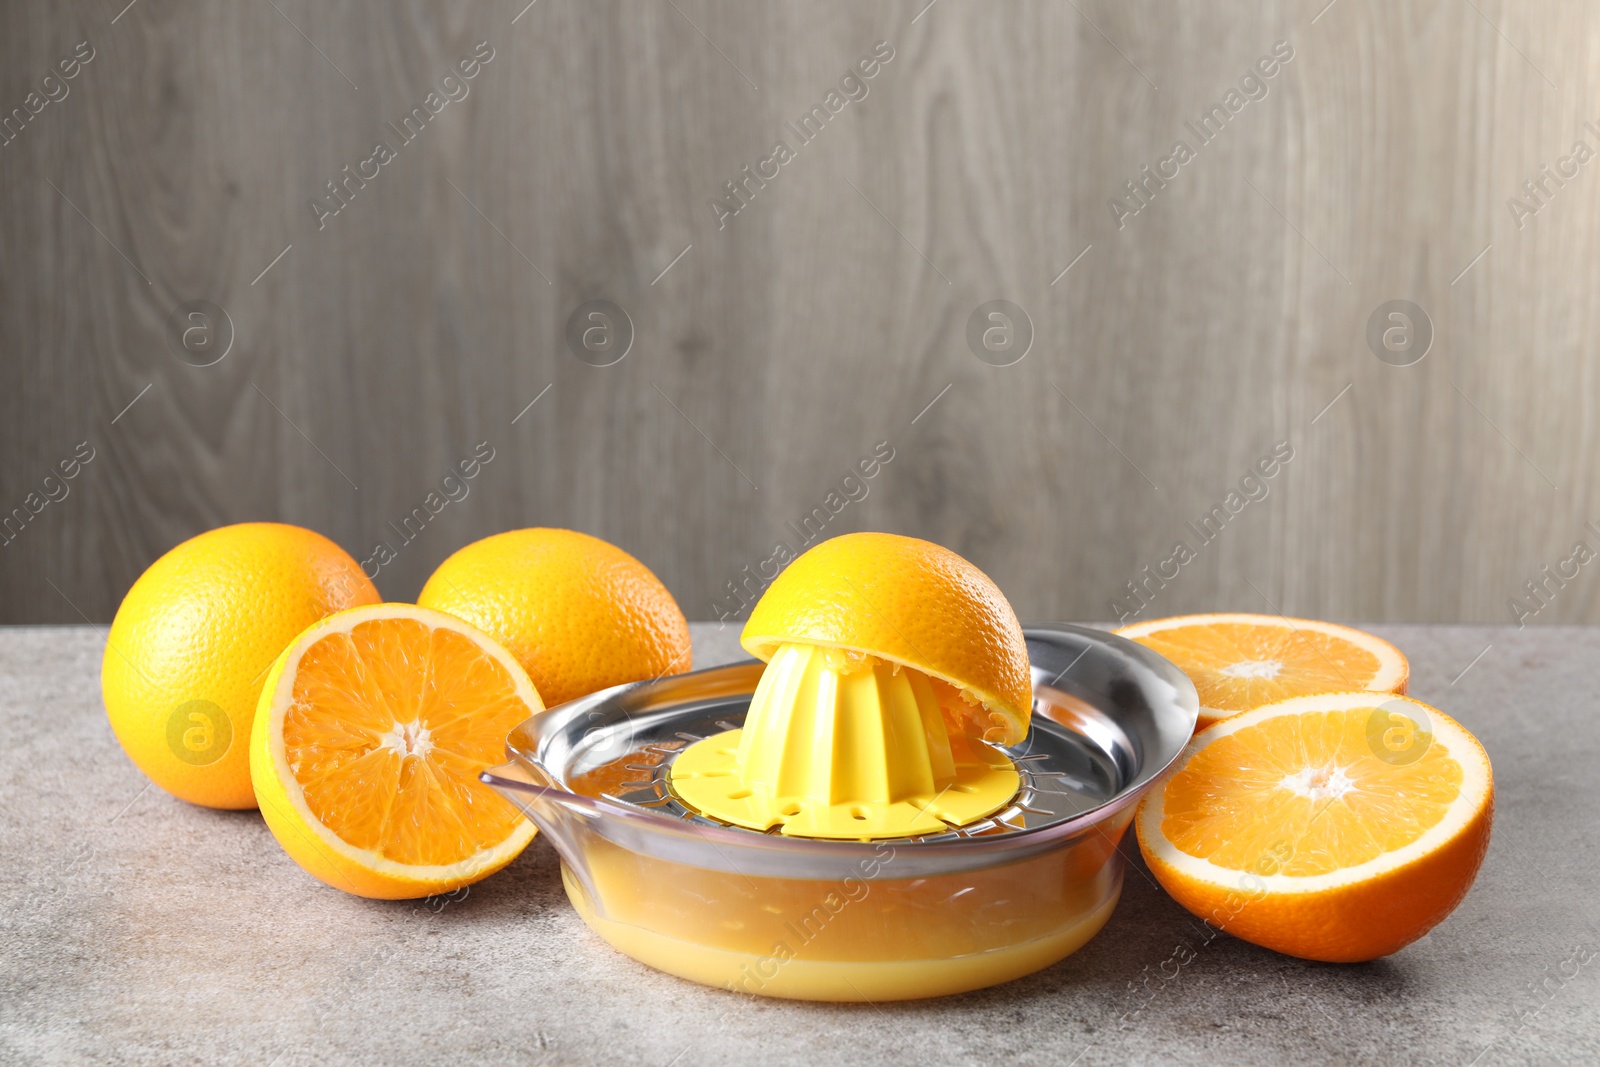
(889, 919)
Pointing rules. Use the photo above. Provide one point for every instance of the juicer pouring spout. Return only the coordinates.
(560, 815)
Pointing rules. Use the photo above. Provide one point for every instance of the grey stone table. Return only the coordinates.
(139, 929)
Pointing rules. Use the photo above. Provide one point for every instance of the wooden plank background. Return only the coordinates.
(831, 311)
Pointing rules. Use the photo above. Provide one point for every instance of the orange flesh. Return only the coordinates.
(390, 726)
(1309, 792)
(1239, 666)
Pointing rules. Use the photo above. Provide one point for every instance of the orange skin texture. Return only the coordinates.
(579, 614)
(906, 601)
(206, 622)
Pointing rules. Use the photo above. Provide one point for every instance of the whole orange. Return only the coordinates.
(194, 639)
(578, 613)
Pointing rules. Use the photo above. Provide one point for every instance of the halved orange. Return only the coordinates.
(372, 730)
(1337, 827)
(1241, 661)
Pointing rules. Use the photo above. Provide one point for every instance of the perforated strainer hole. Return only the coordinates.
(858, 812)
(791, 808)
(739, 794)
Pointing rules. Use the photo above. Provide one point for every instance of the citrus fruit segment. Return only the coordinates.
(372, 730)
(1239, 661)
(194, 638)
(578, 613)
(1337, 826)
(913, 604)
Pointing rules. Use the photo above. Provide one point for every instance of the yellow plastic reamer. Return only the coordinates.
(838, 744)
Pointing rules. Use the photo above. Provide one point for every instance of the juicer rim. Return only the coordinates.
(1015, 844)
